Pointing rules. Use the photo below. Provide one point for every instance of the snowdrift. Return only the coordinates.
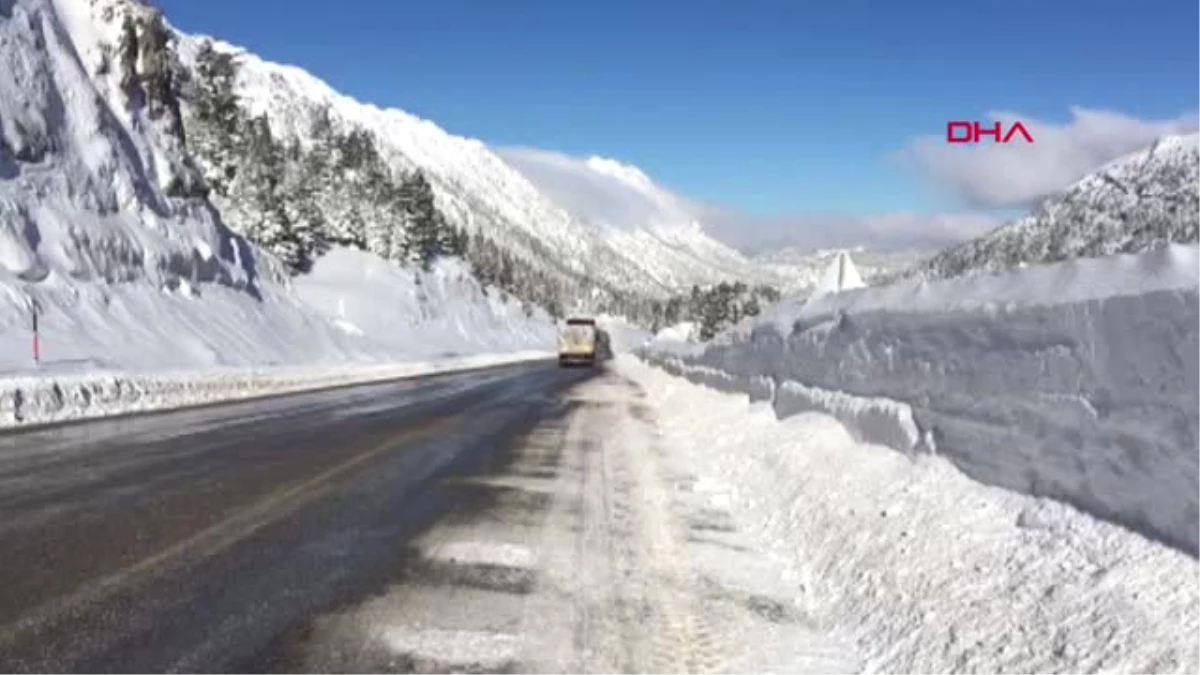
(1076, 381)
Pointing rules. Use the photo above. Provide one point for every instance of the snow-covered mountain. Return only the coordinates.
(1141, 201)
(94, 182)
(106, 227)
(112, 224)
(632, 213)
(480, 191)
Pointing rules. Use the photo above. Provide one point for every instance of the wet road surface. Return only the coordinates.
(187, 540)
(516, 519)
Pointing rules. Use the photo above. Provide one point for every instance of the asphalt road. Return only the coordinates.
(192, 540)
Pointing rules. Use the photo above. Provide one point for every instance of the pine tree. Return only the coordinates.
(424, 241)
(452, 240)
(752, 308)
(301, 209)
(461, 243)
(483, 258)
(504, 273)
(373, 188)
(127, 52)
(261, 198)
(321, 132)
(158, 76)
(218, 118)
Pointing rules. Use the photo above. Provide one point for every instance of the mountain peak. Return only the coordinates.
(1142, 200)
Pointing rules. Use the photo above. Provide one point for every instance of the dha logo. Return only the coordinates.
(958, 131)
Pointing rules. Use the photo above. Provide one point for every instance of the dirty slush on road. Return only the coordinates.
(586, 551)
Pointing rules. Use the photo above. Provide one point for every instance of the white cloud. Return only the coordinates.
(883, 231)
(605, 193)
(1017, 174)
(602, 192)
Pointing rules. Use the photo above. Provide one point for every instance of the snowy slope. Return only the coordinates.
(83, 174)
(480, 191)
(85, 225)
(1137, 202)
(1076, 380)
(102, 225)
(440, 313)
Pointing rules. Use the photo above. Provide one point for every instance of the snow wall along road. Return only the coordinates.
(1076, 381)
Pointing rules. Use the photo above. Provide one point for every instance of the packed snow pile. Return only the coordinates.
(922, 569)
(1077, 381)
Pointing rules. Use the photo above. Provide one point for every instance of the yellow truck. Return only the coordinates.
(577, 342)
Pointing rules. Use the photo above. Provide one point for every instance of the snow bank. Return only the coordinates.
(921, 568)
(40, 400)
(1077, 381)
(871, 420)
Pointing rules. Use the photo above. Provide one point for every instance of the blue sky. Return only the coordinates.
(770, 107)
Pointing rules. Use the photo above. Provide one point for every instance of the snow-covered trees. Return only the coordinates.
(295, 200)
(1138, 202)
(713, 308)
(150, 77)
(263, 197)
(330, 185)
(424, 237)
(429, 235)
(217, 121)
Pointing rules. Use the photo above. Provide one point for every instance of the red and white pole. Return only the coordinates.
(37, 357)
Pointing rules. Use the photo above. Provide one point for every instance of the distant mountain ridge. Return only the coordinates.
(1143, 200)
